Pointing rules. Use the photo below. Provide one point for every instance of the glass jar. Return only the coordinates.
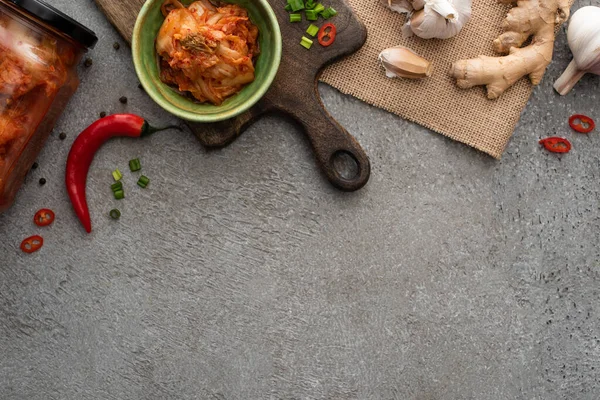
(40, 48)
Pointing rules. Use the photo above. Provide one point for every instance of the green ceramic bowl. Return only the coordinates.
(146, 29)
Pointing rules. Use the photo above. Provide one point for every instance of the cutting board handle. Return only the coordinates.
(339, 155)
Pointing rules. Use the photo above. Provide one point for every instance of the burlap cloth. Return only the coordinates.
(436, 103)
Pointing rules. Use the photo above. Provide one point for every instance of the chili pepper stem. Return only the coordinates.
(148, 129)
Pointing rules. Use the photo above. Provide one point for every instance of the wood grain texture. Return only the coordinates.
(121, 14)
(294, 92)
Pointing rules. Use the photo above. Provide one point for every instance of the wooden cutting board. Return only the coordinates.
(294, 92)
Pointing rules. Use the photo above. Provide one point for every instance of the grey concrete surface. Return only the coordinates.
(241, 274)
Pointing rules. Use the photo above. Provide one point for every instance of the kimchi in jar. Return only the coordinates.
(40, 49)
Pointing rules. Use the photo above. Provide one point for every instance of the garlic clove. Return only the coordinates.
(403, 6)
(400, 6)
(402, 62)
(428, 26)
(428, 19)
(418, 4)
(417, 18)
(407, 27)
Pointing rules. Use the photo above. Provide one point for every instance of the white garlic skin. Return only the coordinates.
(432, 19)
(400, 6)
(440, 19)
(404, 6)
(583, 36)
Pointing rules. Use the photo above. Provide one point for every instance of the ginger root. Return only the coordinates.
(531, 18)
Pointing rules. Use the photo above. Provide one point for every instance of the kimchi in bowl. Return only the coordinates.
(148, 69)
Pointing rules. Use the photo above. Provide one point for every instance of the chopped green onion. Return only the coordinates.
(311, 15)
(295, 17)
(288, 8)
(306, 42)
(115, 214)
(328, 13)
(117, 174)
(319, 8)
(310, 4)
(143, 181)
(119, 194)
(296, 5)
(135, 165)
(116, 186)
(312, 30)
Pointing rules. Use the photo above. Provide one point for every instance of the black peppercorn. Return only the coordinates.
(35, 165)
(88, 62)
(123, 100)
(42, 181)
(62, 136)
(102, 114)
(116, 46)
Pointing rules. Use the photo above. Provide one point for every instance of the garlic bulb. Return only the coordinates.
(429, 19)
(583, 36)
(402, 62)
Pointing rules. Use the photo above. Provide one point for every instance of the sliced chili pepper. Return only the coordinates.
(556, 144)
(84, 148)
(44, 217)
(32, 244)
(327, 34)
(582, 123)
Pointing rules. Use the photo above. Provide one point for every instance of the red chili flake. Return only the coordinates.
(556, 144)
(44, 217)
(327, 34)
(32, 244)
(582, 123)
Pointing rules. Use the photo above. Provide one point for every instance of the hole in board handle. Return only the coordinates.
(345, 165)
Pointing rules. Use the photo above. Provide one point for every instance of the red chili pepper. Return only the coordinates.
(44, 217)
(32, 244)
(327, 34)
(582, 123)
(556, 144)
(84, 148)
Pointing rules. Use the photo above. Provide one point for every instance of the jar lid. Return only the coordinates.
(58, 20)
